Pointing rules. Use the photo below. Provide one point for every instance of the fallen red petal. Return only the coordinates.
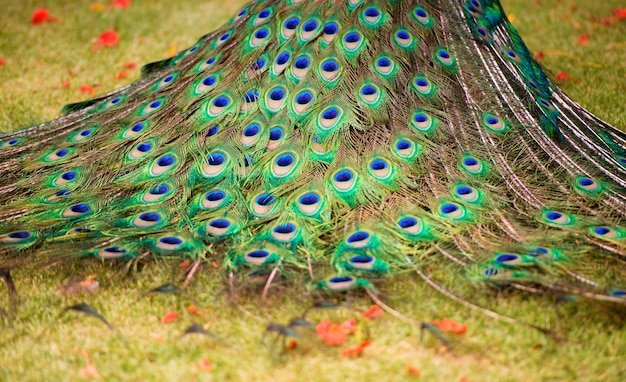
(583, 39)
(131, 65)
(332, 334)
(373, 312)
(410, 370)
(41, 15)
(292, 344)
(170, 317)
(620, 13)
(86, 89)
(121, 4)
(3, 61)
(121, 75)
(204, 364)
(357, 350)
(539, 56)
(192, 309)
(65, 84)
(89, 371)
(447, 325)
(107, 38)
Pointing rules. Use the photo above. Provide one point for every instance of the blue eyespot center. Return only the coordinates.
(361, 259)
(378, 164)
(19, 235)
(159, 190)
(372, 12)
(403, 145)
(216, 159)
(170, 240)
(265, 200)
(285, 228)
(276, 133)
(150, 217)
(330, 66)
(259, 254)
(586, 182)
(352, 37)
(402, 35)
(155, 104)
(310, 26)
(262, 33)
(80, 208)
(220, 223)
(407, 222)
(277, 94)
(506, 257)
(330, 29)
(251, 96)
(209, 81)
(309, 199)
(302, 63)
(251, 130)
(215, 196)
(285, 160)
(137, 128)
(220, 102)
(449, 208)
(470, 162)
(166, 160)
(282, 58)
(292, 24)
(602, 230)
(330, 113)
(144, 147)
(554, 215)
(344, 176)
(304, 98)
(369, 90)
(340, 279)
(69, 176)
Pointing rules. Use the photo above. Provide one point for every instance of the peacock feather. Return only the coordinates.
(346, 142)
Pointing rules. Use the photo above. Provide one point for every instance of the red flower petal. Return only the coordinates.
(170, 317)
(107, 38)
(332, 334)
(620, 13)
(65, 84)
(89, 371)
(583, 39)
(87, 89)
(357, 350)
(3, 61)
(131, 65)
(121, 4)
(121, 75)
(40, 16)
(373, 312)
(204, 364)
(410, 370)
(447, 325)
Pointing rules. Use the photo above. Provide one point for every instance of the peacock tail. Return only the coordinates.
(342, 141)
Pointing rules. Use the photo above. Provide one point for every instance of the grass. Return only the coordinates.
(45, 343)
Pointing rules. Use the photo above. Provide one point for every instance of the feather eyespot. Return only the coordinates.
(352, 41)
